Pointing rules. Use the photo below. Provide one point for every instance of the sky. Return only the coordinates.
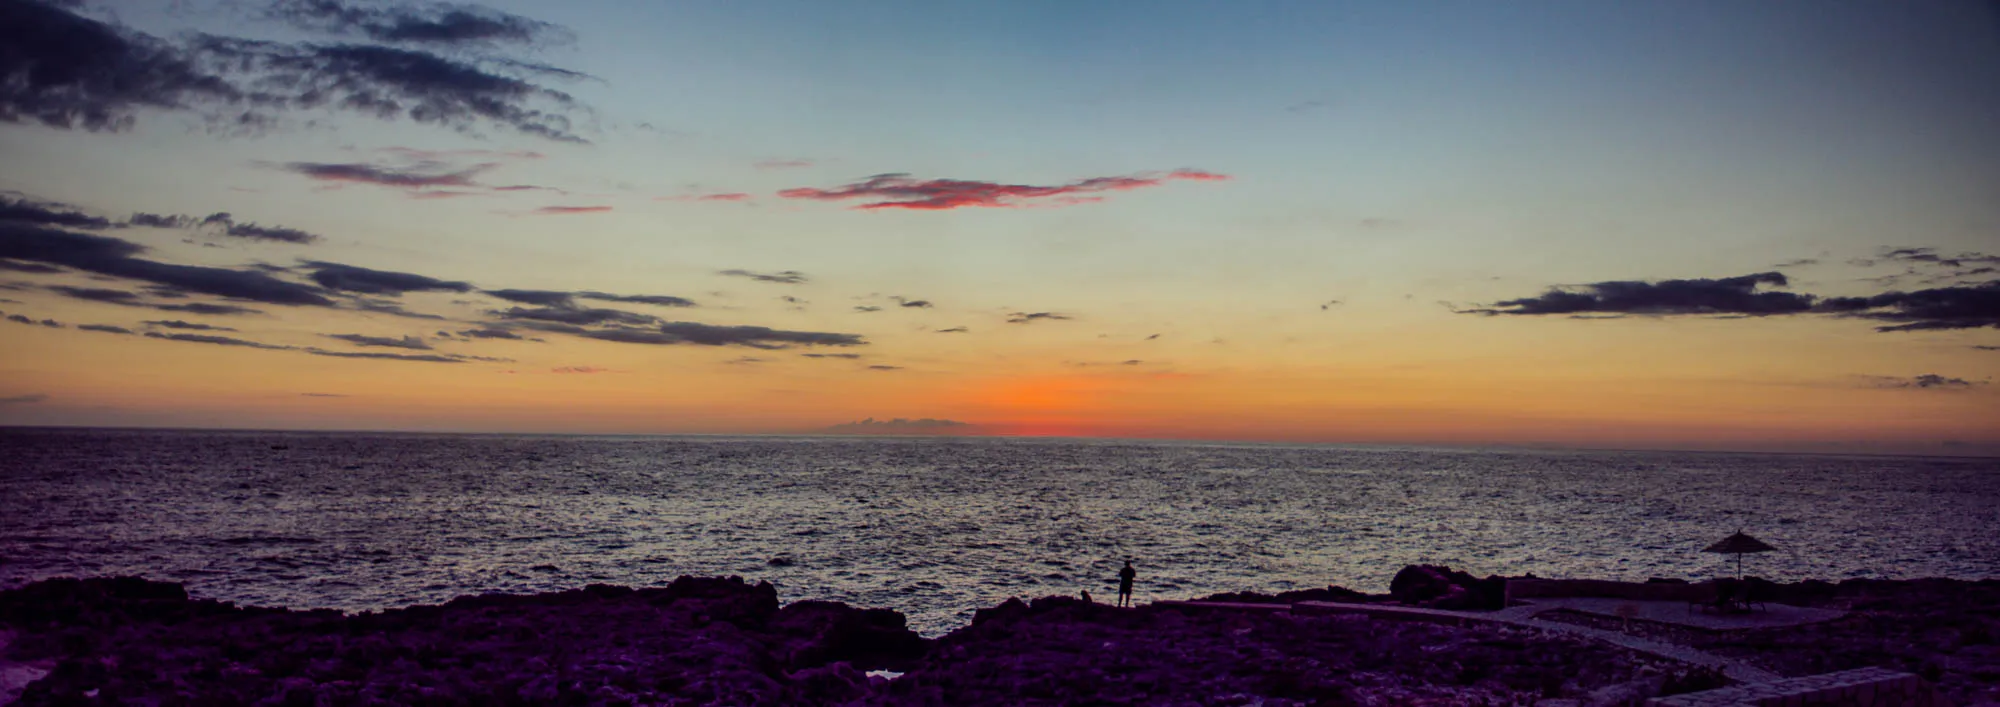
(1708, 225)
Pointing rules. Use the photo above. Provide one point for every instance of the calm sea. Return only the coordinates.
(937, 527)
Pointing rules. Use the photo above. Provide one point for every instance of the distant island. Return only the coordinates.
(901, 426)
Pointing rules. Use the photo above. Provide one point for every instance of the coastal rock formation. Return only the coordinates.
(726, 641)
(698, 641)
(1439, 587)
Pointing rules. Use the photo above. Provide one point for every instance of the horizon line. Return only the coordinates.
(1994, 448)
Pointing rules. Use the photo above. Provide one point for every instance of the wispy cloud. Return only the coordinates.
(407, 342)
(784, 164)
(98, 76)
(216, 340)
(28, 399)
(570, 210)
(787, 277)
(1926, 381)
(719, 196)
(1025, 317)
(901, 191)
(178, 324)
(422, 23)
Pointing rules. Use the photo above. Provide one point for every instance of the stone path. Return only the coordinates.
(1521, 616)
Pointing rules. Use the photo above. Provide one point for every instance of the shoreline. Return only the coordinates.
(730, 641)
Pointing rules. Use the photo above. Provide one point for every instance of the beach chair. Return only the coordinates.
(1701, 597)
(1751, 596)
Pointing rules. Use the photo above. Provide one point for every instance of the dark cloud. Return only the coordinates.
(905, 302)
(832, 355)
(146, 220)
(407, 342)
(576, 316)
(105, 255)
(391, 82)
(217, 340)
(955, 330)
(36, 268)
(659, 300)
(744, 361)
(1958, 307)
(1731, 295)
(377, 306)
(106, 328)
(1801, 262)
(423, 176)
(1329, 304)
(28, 399)
(788, 277)
(19, 319)
(425, 358)
(713, 335)
(1025, 317)
(900, 191)
(43, 212)
(22, 319)
(433, 23)
(866, 308)
(1929, 256)
(64, 70)
(541, 298)
(228, 226)
(178, 324)
(1925, 381)
(97, 294)
(348, 278)
(206, 308)
(1155, 336)
(567, 300)
(493, 333)
(880, 367)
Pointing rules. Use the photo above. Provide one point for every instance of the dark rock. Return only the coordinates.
(1439, 587)
(1330, 593)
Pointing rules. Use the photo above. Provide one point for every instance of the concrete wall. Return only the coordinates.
(1551, 588)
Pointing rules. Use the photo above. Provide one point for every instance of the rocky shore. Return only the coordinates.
(726, 641)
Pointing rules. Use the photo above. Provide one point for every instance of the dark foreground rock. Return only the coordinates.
(697, 641)
(725, 641)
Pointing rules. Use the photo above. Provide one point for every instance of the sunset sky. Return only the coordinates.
(1726, 225)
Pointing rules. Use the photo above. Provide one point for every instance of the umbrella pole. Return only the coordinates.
(1739, 565)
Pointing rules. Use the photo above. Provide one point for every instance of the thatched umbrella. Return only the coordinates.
(1739, 545)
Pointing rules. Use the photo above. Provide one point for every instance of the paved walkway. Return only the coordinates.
(1677, 613)
(1521, 616)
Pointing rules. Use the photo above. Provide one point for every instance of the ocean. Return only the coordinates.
(937, 527)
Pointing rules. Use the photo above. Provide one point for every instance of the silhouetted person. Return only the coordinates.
(1125, 577)
(1086, 596)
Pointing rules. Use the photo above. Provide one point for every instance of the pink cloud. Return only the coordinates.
(900, 191)
(563, 210)
(441, 155)
(724, 196)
